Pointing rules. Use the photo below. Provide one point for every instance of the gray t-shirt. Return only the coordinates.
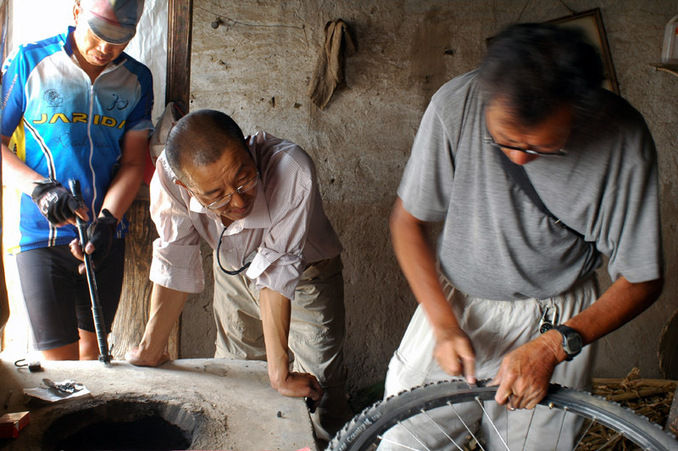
(496, 244)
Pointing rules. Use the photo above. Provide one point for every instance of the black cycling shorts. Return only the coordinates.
(57, 298)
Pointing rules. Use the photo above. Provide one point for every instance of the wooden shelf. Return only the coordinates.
(670, 68)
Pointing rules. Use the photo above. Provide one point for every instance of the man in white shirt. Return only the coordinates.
(278, 274)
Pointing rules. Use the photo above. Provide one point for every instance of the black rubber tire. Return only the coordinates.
(362, 431)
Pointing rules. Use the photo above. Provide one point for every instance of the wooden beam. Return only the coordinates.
(672, 422)
(133, 311)
(180, 14)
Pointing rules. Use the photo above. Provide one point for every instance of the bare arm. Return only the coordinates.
(123, 189)
(618, 305)
(15, 173)
(126, 183)
(526, 372)
(166, 307)
(275, 317)
(417, 259)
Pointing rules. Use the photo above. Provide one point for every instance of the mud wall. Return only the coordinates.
(256, 67)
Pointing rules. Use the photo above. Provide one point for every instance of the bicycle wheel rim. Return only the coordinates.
(363, 431)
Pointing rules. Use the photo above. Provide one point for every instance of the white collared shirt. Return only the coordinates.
(287, 228)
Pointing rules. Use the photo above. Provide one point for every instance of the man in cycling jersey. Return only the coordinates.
(75, 106)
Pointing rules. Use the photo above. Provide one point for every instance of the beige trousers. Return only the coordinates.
(316, 338)
(495, 328)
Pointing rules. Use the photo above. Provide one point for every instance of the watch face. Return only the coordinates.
(574, 342)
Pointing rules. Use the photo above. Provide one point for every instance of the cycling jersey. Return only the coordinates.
(65, 127)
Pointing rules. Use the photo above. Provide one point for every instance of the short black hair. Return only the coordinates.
(201, 138)
(538, 68)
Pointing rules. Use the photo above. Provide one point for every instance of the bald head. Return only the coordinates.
(200, 138)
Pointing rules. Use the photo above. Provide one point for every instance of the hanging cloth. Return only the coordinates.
(329, 70)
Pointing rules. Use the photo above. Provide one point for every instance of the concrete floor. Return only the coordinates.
(227, 404)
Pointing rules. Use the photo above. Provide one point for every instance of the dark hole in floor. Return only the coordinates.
(123, 425)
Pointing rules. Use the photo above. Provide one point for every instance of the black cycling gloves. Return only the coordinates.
(55, 202)
(100, 233)
(58, 205)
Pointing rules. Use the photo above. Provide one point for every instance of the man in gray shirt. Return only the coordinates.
(510, 293)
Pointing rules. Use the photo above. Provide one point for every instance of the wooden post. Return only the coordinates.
(133, 311)
(672, 422)
(179, 53)
(668, 343)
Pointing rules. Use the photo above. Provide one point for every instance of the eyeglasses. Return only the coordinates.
(245, 187)
(235, 272)
(558, 153)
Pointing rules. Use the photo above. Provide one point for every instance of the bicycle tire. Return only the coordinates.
(363, 430)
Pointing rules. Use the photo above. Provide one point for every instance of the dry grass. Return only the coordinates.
(651, 398)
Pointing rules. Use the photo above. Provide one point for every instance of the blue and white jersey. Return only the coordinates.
(65, 127)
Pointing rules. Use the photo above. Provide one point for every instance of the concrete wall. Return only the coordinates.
(256, 67)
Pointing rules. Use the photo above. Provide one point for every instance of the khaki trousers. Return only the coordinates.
(316, 338)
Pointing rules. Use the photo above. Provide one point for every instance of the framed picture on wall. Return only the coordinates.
(591, 23)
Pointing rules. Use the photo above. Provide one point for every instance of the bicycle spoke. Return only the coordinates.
(562, 423)
(413, 435)
(609, 442)
(527, 431)
(464, 423)
(592, 421)
(441, 430)
(491, 422)
(385, 440)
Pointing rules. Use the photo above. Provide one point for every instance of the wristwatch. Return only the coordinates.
(572, 342)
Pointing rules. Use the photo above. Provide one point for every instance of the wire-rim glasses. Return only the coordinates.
(558, 153)
(248, 185)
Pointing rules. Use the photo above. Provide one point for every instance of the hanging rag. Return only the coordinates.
(329, 70)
